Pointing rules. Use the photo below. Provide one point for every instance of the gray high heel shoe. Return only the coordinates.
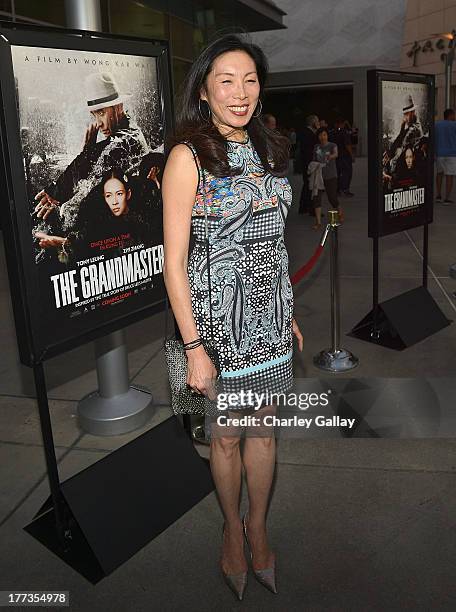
(236, 582)
(267, 576)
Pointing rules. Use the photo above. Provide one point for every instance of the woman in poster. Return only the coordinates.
(228, 161)
(406, 175)
(110, 214)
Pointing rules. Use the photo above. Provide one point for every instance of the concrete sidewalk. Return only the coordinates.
(357, 524)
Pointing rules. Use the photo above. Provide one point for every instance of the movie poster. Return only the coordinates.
(406, 117)
(92, 139)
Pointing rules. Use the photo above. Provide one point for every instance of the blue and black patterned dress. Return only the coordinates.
(252, 299)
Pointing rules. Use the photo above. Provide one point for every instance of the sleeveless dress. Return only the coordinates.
(252, 298)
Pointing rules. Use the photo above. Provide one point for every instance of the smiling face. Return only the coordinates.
(116, 196)
(232, 90)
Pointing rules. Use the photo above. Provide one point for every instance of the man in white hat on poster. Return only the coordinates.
(123, 146)
(409, 135)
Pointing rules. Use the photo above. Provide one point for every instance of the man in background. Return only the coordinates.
(341, 136)
(445, 153)
(306, 141)
(270, 121)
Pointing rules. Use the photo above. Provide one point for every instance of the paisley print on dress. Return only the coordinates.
(252, 299)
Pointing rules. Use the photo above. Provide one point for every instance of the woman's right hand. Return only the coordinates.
(201, 372)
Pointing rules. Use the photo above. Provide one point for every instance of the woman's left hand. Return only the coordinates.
(297, 333)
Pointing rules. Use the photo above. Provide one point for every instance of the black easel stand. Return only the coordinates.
(100, 517)
(405, 319)
(61, 510)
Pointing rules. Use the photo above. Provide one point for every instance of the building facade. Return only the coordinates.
(186, 24)
(426, 42)
(319, 63)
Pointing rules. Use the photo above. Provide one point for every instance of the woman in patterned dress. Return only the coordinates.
(228, 161)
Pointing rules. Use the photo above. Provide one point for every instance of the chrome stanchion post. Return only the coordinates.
(335, 359)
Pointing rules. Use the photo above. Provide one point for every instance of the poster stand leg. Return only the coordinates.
(425, 254)
(375, 333)
(405, 319)
(116, 407)
(59, 504)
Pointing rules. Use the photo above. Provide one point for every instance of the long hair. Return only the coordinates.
(210, 145)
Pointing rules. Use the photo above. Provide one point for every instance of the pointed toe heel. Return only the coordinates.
(236, 582)
(267, 576)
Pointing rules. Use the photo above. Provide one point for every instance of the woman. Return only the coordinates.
(231, 162)
(406, 175)
(325, 153)
(107, 215)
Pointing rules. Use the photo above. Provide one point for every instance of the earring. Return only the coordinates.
(206, 119)
(261, 108)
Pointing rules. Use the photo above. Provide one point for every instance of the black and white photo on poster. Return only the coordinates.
(406, 122)
(92, 139)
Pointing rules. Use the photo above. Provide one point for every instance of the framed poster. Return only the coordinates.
(84, 121)
(401, 151)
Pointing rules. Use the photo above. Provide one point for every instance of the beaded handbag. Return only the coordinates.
(183, 400)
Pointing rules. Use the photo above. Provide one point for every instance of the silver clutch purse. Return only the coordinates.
(183, 401)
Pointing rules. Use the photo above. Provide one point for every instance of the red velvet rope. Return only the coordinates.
(306, 268)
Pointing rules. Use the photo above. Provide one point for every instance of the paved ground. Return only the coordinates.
(358, 524)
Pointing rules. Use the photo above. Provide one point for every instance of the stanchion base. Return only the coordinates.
(102, 416)
(335, 361)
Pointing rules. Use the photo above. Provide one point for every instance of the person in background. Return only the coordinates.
(270, 121)
(293, 139)
(354, 139)
(306, 141)
(342, 138)
(325, 152)
(324, 123)
(445, 153)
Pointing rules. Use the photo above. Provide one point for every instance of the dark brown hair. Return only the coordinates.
(210, 145)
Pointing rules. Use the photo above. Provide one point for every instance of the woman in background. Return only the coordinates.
(326, 153)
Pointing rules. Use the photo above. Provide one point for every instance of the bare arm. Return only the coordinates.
(179, 185)
(334, 153)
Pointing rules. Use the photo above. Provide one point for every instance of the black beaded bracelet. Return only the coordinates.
(192, 344)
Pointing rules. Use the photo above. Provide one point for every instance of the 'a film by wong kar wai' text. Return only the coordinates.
(406, 123)
(92, 140)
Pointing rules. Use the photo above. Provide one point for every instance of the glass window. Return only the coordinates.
(45, 11)
(5, 9)
(181, 38)
(180, 70)
(136, 19)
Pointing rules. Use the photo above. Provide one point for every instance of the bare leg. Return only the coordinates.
(438, 182)
(226, 467)
(259, 462)
(317, 216)
(448, 185)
